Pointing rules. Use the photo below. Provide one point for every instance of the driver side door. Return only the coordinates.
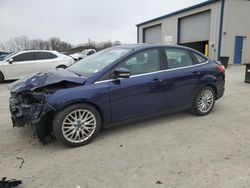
(143, 92)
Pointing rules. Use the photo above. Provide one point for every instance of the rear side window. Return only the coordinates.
(29, 56)
(199, 58)
(44, 55)
(178, 58)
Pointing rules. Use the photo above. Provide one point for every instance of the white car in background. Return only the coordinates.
(83, 54)
(18, 65)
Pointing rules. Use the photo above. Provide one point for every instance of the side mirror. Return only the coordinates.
(10, 61)
(121, 73)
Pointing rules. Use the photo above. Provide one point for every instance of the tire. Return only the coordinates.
(75, 132)
(1, 77)
(204, 101)
(61, 66)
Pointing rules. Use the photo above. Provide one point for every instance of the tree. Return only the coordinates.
(54, 43)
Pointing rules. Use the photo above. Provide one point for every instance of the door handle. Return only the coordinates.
(157, 80)
(196, 72)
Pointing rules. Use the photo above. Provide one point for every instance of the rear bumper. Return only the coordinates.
(220, 90)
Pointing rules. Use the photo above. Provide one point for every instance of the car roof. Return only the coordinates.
(37, 51)
(146, 45)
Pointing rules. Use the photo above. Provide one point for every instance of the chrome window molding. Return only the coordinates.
(167, 70)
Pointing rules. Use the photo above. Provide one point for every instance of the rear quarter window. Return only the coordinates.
(199, 58)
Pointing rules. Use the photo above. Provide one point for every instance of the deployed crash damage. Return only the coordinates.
(28, 104)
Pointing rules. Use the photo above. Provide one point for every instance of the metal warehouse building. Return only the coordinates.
(215, 27)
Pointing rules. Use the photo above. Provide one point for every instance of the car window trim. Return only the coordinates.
(166, 70)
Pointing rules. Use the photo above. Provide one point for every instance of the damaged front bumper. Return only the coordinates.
(30, 109)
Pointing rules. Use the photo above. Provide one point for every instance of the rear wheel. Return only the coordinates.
(204, 101)
(77, 124)
(1, 77)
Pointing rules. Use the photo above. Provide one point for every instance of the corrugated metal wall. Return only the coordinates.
(236, 23)
(170, 26)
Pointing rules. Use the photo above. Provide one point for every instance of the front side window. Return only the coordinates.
(143, 62)
(199, 58)
(29, 56)
(96, 62)
(44, 55)
(178, 58)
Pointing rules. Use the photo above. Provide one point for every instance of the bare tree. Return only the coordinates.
(54, 43)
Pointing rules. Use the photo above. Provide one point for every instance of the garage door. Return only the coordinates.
(195, 28)
(152, 34)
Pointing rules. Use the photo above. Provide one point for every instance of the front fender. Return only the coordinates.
(96, 94)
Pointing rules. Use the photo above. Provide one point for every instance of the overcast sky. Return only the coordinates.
(77, 20)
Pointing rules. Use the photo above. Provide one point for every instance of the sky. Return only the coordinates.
(76, 21)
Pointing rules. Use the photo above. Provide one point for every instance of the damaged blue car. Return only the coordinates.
(115, 86)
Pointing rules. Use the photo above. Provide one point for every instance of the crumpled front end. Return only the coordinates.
(28, 100)
(31, 109)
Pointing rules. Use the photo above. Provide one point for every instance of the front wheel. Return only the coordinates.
(76, 125)
(204, 101)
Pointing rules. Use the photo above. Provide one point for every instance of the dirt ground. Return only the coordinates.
(178, 150)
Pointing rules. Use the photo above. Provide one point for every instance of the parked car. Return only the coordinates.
(116, 86)
(17, 65)
(83, 54)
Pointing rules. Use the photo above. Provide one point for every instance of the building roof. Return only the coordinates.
(179, 11)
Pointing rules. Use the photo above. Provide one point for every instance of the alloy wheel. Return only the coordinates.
(79, 125)
(205, 101)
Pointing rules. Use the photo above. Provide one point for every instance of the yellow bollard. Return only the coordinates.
(206, 50)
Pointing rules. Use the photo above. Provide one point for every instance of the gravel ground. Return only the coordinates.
(178, 150)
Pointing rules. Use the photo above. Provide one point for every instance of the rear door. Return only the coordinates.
(142, 93)
(181, 79)
(45, 61)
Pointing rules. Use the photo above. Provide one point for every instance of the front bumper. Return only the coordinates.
(35, 115)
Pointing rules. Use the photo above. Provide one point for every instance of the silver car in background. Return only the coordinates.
(18, 65)
(80, 55)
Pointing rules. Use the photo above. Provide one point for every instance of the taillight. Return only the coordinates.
(221, 69)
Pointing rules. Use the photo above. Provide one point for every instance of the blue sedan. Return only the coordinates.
(115, 86)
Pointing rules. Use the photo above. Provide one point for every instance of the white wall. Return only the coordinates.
(236, 23)
(170, 26)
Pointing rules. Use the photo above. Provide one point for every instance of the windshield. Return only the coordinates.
(84, 52)
(7, 56)
(96, 62)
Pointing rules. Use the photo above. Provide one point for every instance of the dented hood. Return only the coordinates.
(46, 78)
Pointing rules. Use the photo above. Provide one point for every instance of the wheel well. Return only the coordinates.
(214, 88)
(89, 103)
(1, 74)
(208, 85)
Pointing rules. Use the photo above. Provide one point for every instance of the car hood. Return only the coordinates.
(46, 78)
